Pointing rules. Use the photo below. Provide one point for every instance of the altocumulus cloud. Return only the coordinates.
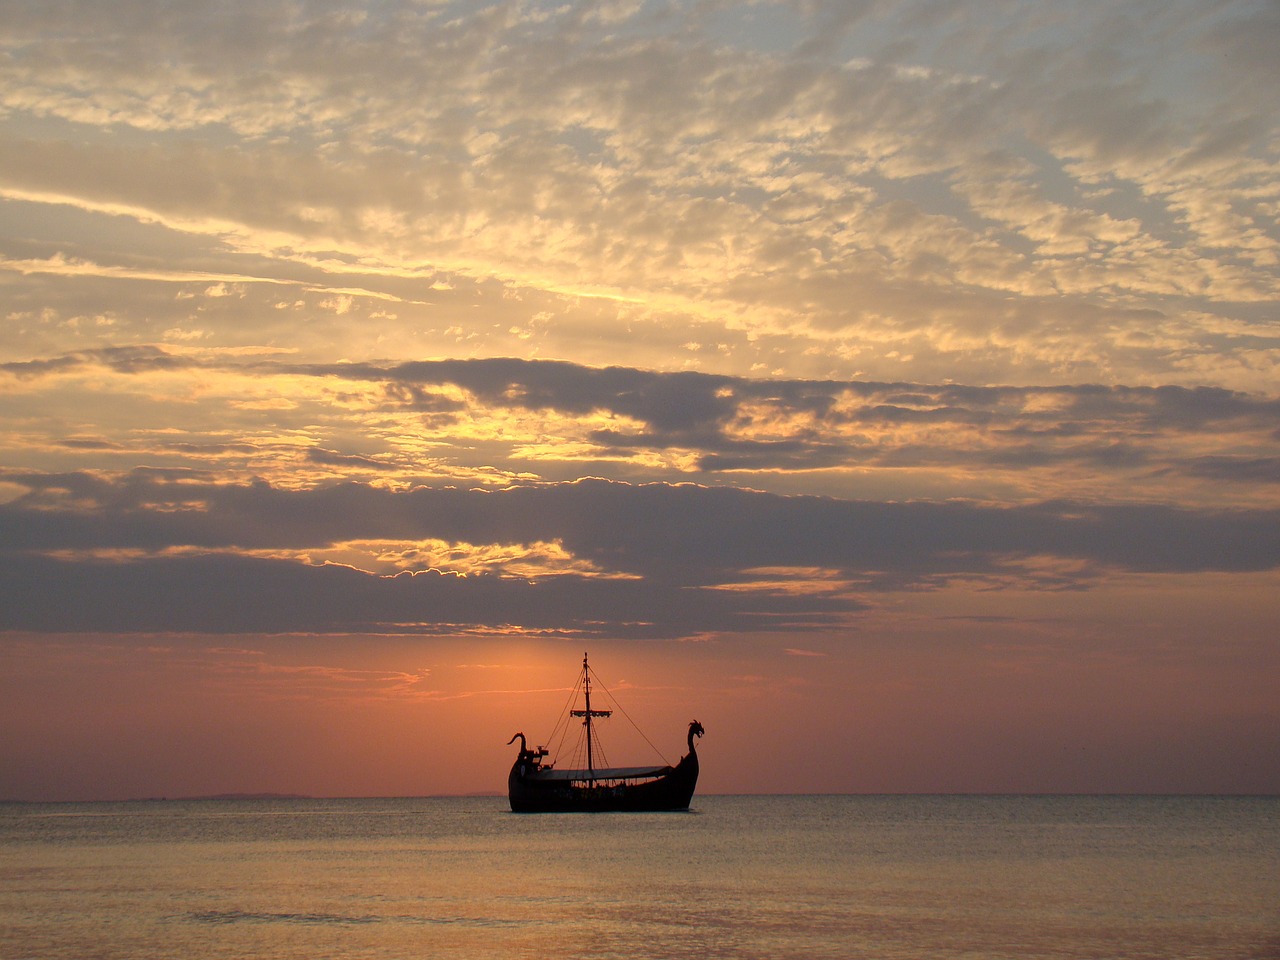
(1004, 193)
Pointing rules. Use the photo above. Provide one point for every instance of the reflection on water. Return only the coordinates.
(882, 877)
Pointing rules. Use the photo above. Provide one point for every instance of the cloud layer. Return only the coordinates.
(154, 554)
(909, 295)
(1006, 193)
(497, 421)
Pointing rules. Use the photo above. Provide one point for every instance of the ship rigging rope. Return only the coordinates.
(614, 700)
(562, 720)
(562, 727)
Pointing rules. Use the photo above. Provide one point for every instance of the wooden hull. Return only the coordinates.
(671, 791)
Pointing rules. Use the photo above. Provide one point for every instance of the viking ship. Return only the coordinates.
(536, 786)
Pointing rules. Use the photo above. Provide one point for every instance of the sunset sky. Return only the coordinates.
(890, 386)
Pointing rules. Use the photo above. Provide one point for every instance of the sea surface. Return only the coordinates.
(752, 877)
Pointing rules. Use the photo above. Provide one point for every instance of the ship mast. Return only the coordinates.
(588, 714)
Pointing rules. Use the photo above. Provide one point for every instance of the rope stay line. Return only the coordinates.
(614, 700)
(563, 721)
(580, 753)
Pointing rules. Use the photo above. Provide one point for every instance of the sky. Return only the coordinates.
(890, 386)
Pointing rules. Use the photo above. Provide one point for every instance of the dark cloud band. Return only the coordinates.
(671, 560)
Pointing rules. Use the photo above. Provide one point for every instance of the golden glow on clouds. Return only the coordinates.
(790, 581)
(295, 427)
(792, 215)
(390, 557)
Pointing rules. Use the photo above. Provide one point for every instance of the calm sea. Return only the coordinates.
(751, 877)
